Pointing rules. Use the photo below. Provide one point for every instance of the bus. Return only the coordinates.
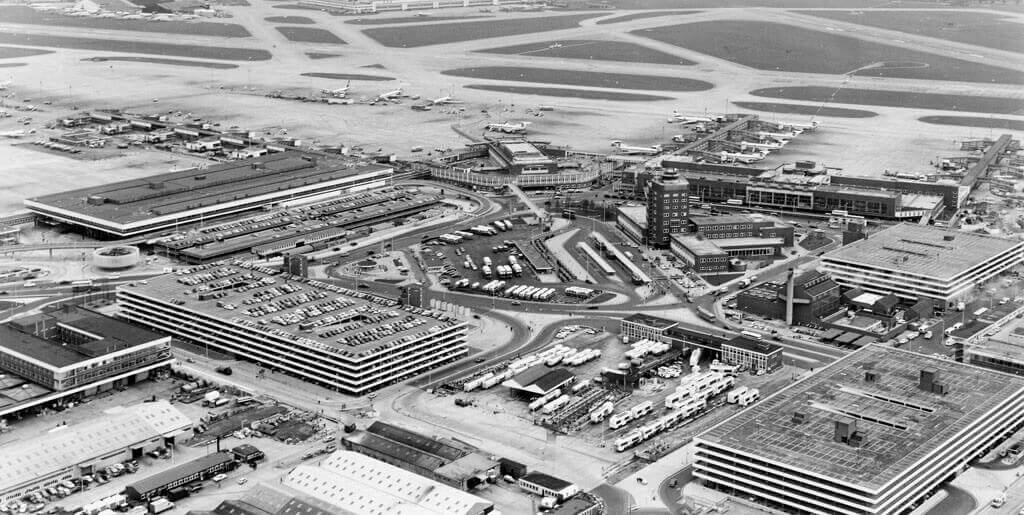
(81, 285)
(734, 202)
(705, 314)
(751, 335)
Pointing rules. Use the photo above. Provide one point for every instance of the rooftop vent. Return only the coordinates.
(200, 177)
(928, 377)
(948, 237)
(845, 427)
(871, 376)
(857, 439)
(799, 417)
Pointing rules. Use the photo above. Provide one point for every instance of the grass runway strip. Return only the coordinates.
(347, 76)
(28, 16)
(158, 60)
(975, 121)
(310, 35)
(407, 36)
(591, 94)
(135, 47)
(581, 78)
(788, 48)
(835, 112)
(888, 98)
(591, 49)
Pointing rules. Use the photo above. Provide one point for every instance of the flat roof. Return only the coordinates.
(699, 246)
(721, 219)
(909, 422)
(636, 214)
(305, 311)
(546, 481)
(364, 485)
(650, 321)
(740, 243)
(163, 478)
(174, 192)
(112, 336)
(40, 455)
(753, 345)
(923, 250)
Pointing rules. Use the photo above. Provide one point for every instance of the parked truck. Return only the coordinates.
(160, 505)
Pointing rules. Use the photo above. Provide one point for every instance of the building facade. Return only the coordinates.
(872, 433)
(348, 341)
(752, 354)
(668, 207)
(912, 261)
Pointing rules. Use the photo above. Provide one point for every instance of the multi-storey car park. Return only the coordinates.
(349, 341)
(165, 201)
(914, 261)
(871, 433)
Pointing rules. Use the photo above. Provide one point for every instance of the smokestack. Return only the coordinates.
(790, 285)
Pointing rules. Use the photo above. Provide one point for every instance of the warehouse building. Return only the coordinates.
(913, 261)
(37, 462)
(165, 201)
(815, 295)
(345, 340)
(871, 433)
(198, 469)
(456, 464)
(72, 352)
(361, 485)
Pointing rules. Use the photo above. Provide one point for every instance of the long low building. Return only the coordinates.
(362, 485)
(37, 462)
(348, 341)
(195, 470)
(69, 353)
(165, 201)
(913, 261)
(872, 433)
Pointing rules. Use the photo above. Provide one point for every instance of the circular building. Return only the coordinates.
(116, 257)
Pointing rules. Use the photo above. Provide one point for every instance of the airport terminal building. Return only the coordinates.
(348, 341)
(872, 433)
(165, 201)
(914, 261)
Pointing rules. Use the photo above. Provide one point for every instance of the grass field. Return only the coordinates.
(347, 76)
(377, 20)
(592, 49)
(29, 16)
(581, 78)
(159, 60)
(294, 20)
(12, 65)
(318, 55)
(440, 33)
(640, 16)
(788, 48)
(7, 52)
(135, 47)
(310, 35)
(888, 98)
(975, 121)
(974, 28)
(591, 94)
(837, 112)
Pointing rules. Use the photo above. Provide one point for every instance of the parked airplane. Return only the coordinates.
(775, 145)
(445, 100)
(799, 126)
(390, 95)
(742, 158)
(508, 127)
(687, 120)
(782, 137)
(337, 93)
(626, 149)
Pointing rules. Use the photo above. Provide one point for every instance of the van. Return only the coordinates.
(999, 501)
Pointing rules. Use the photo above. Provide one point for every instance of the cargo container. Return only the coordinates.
(486, 271)
(620, 419)
(734, 395)
(641, 410)
(160, 505)
(628, 441)
(487, 261)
